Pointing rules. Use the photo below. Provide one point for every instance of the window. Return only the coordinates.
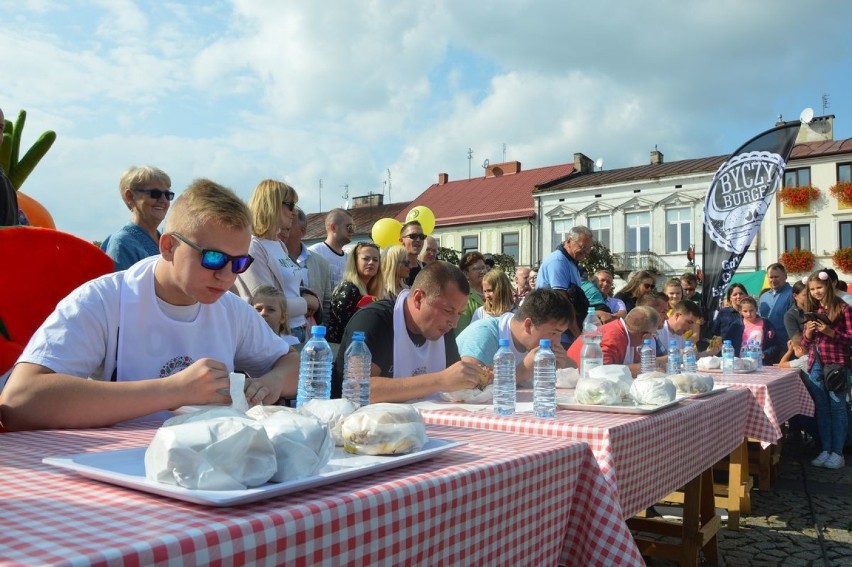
(638, 232)
(470, 244)
(845, 234)
(678, 230)
(510, 245)
(797, 236)
(560, 231)
(797, 177)
(600, 227)
(844, 172)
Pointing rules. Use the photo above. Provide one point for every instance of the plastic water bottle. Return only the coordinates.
(689, 357)
(648, 357)
(591, 354)
(755, 352)
(504, 380)
(673, 364)
(544, 381)
(727, 358)
(356, 370)
(314, 368)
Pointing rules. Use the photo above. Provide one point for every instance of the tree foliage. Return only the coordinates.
(600, 258)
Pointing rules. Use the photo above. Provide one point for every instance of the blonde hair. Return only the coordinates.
(265, 204)
(142, 176)
(502, 287)
(272, 292)
(392, 256)
(204, 202)
(375, 286)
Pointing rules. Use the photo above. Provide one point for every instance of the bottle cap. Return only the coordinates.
(504, 342)
(727, 341)
(673, 343)
(687, 343)
(358, 336)
(318, 331)
(648, 342)
(544, 343)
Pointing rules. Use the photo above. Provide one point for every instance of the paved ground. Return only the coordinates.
(805, 520)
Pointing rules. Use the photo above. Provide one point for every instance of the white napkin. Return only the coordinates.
(238, 393)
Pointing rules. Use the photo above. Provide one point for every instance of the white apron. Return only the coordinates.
(152, 345)
(628, 354)
(408, 358)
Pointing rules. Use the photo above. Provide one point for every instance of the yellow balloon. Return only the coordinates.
(386, 232)
(424, 216)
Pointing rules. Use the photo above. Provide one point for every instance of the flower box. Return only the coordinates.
(798, 261)
(842, 258)
(842, 191)
(798, 199)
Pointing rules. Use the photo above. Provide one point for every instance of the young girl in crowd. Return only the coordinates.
(673, 291)
(497, 290)
(759, 329)
(827, 343)
(272, 306)
(362, 283)
(395, 270)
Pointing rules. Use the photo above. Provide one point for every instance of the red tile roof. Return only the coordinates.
(484, 199)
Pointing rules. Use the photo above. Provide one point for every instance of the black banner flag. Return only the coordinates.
(737, 201)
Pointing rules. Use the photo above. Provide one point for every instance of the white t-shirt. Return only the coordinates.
(293, 275)
(81, 336)
(336, 262)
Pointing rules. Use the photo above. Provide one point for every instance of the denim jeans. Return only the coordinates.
(299, 333)
(830, 412)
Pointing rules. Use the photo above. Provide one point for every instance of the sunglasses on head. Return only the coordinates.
(157, 193)
(289, 204)
(215, 259)
(415, 236)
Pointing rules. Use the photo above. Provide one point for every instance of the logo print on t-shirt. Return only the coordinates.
(176, 364)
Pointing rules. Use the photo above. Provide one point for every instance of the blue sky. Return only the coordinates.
(243, 90)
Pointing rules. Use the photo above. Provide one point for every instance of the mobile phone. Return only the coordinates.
(811, 316)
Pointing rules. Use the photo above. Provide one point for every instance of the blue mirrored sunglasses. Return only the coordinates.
(215, 259)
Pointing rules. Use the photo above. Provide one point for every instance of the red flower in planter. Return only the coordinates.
(798, 196)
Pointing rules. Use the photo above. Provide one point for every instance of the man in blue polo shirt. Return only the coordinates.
(775, 302)
(561, 271)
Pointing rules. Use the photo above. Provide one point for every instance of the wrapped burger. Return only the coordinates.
(652, 391)
(216, 449)
(597, 392)
(332, 413)
(709, 363)
(303, 444)
(384, 429)
(618, 374)
(689, 383)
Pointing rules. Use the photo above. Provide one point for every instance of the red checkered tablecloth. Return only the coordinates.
(780, 394)
(500, 499)
(644, 457)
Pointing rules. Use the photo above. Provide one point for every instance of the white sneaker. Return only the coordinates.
(821, 460)
(835, 461)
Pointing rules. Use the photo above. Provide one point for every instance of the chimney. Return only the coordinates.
(583, 164)
(656, 156)
(365, 201)
(820, 129)
(443, 178)
(499, 169)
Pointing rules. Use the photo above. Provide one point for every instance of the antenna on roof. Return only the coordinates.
(485, 164)
(807, 116)
(469, 158)
(504, 152)
(825, 103)
(599, 164)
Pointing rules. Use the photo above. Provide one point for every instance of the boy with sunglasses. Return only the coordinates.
(163, 334)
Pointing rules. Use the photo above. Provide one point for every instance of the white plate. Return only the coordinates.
(716, 389)
(126, 467)
(719, 371)
(569, 403)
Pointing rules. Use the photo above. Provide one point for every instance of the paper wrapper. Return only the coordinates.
(597, 392)
(302, 443)
(238, 393)
(690, 383)
(472, 396)
(216, 449)
(567, 377)
(332, 413)
(709, 362)
(653, 391)
(384, 429)
(618, 374)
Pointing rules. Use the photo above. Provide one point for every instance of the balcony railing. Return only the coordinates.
(649, 261)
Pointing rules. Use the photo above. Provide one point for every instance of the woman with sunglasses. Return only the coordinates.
(638, 285)
(396, 266)
(146, 193)
(362, 284)
(272, 205)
